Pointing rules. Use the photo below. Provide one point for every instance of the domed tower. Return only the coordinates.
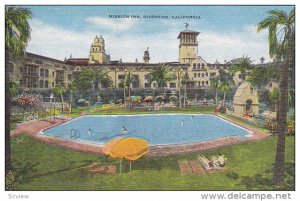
(97, 52)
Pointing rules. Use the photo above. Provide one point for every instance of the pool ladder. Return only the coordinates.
(74, 134)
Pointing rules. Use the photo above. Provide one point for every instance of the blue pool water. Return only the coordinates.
(157, 129)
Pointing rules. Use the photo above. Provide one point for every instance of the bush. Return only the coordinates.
(272, 125)
(291, 127)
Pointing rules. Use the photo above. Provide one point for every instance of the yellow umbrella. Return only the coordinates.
(126, 148)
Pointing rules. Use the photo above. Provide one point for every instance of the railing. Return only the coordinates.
(74, 134)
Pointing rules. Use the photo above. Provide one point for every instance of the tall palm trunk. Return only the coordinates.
(124, 94)
(216, 96)
(70, 104)
(8, 165)
(129, 94)
(278, 177)
(224, 98)
(184, 100)
(62, 102)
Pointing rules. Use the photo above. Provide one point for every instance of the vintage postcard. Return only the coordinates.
(154, 97)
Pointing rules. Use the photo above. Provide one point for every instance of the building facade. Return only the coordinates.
(36, 72)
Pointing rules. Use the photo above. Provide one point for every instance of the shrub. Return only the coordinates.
(272, 125)
(291, 127)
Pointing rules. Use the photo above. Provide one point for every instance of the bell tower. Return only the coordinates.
(97, 52)
(188, 45)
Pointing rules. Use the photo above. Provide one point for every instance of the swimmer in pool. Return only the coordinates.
(124, 130)
(182, 123)
(90, 131)
(192, 118)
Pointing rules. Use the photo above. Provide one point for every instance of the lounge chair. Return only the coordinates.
(209, 166)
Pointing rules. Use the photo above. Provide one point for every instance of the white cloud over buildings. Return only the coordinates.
(121, 42)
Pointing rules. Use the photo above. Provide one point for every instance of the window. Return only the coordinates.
(195, 74)
(147, 85)
(121, 77)
(69, 76)
(154, 85)
(206, 82)
(198, 74)
(52, 84)
(172, 85)
(41, 72)
(202, 83)
(251, 90)
(202, 74)
(53, 73)
(41, 83)
(194, 66)
(202, 66)
(46, 73)
(46, 84)
(206, 74)
(198, 66)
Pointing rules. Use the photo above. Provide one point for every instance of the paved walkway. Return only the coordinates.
(33, 128)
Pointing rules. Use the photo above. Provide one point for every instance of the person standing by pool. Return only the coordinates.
(124, 130)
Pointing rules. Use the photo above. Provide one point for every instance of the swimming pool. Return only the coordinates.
(162, 129)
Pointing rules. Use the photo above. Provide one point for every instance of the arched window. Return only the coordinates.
(46, 72)
(198, 74)
(202, 65)
(202, 74)
(206, 82)
(41, 83)
(194, 66)
(46, 84)
(41, 72)
(198, 66)
(195, 74)
(202, 83)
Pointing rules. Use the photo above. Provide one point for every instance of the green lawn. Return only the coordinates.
(45, 167)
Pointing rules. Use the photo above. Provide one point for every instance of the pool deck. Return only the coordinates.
(34, 128)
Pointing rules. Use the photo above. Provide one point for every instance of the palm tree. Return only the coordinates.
(60, 90)
(17, 34)
(72, 89)
(95, 78)
(281, 27)
(214, 84)
(243, 65)
(161, 74)
(184, 80)
(225, 87)
(14, 89)
(129, 80)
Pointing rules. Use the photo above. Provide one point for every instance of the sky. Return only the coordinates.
(226, 32)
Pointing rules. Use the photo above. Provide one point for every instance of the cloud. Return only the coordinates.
(113, 24)
(57, 42)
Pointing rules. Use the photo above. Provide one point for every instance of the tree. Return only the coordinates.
(281, 27)
(95, 77)
(225, 87)
(274, 98)
(60, 90)
(161, 74)
(184, 80)
(14, 88)
(72, 89)
(214, 84)
(243, 65)
(17, 34)
(129, 80)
